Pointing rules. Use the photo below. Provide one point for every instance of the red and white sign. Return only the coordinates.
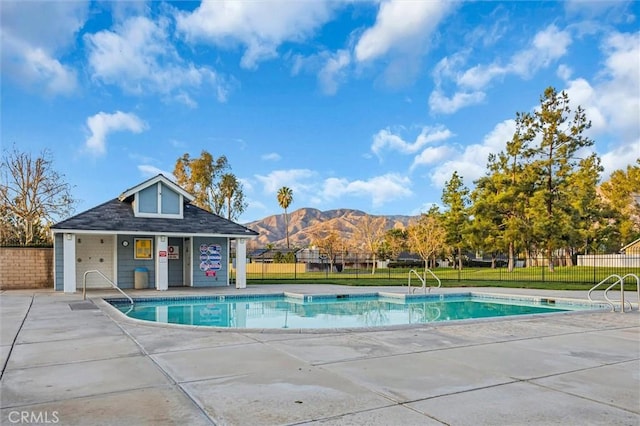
(174, 252)
(162, 253)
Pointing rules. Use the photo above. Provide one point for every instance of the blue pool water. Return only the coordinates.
(336, 311)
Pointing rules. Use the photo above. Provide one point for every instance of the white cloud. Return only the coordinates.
(150, 171)
(260, 26)
(612, 102)
(333, 71)
(564, 72)
(471, 163)
(547, 46)
(34, 35)
(299, 180)
(272, 156)
(581, 93)
(386, 139)
(618, 94)
(400, 25)
(102, 124)
(138, 56)
(439, 102)
(620, 157)
(431, 155)
(381, 189)
(402, 36)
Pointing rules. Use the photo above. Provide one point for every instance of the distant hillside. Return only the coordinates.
(303, 222)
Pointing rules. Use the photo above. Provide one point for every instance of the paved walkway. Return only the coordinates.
(93, 367)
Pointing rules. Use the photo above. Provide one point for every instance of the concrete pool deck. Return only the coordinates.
(72, 363)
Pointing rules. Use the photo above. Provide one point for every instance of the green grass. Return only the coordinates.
(563, 278)
(548, 285)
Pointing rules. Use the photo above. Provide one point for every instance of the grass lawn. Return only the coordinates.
(563, 278)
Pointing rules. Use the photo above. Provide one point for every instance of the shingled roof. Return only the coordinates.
(117, 216)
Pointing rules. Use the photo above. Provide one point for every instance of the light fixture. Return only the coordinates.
(69, 236)
(162, 238)
(125, 243)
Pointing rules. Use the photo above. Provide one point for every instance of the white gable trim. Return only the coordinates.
(154, 181)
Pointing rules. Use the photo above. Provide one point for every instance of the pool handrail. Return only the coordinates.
(84, 285)
(423, 280)
(618, 280)
(622, 301)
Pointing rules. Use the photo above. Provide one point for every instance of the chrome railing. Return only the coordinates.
(423, 280)
(84, 285)
(618, 280)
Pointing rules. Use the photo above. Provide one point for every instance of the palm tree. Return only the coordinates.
(285, 198)
(229, 187)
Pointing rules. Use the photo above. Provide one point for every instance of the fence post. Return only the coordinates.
(357, 265)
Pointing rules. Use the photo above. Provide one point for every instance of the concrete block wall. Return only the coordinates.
(26, 267)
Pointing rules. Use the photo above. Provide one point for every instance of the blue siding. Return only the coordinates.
(127, 264)
(170, 201)
(200, 279)
(148, 200)
(58, 280)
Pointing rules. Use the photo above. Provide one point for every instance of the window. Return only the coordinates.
(170, 200)
(143, 248)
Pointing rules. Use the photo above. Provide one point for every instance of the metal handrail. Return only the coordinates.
(618, 278)
(84, 285)
(434, 276)
(637, 286)
(423, 280)
(419, 277)
(622, 301)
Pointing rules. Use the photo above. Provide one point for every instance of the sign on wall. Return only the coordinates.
(143, 248)
(210, 259)
(174, 252)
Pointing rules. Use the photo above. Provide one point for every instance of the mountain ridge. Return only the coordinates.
(306, 221)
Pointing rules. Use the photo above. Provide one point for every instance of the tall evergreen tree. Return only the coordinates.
(455, 197)
(559, 132)
(621, 193)
(588, 227)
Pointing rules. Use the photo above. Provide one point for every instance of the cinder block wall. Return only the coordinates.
(22, 267)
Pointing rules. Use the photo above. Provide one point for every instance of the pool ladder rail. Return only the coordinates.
(622, 302)
(423, 280)
(84, 285)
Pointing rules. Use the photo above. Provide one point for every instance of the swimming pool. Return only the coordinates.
(295, 311)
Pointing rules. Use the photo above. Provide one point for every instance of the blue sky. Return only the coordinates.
(352, 104)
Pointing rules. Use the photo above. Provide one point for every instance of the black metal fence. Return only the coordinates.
(589, 269)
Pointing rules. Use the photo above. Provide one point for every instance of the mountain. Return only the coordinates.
(304, 222)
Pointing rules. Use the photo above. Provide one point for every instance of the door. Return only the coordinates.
(187, 262)
(175, 255)
(94, 252)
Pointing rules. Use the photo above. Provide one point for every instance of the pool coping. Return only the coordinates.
(118, 316)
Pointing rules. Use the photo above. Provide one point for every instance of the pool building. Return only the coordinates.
(151, 236)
